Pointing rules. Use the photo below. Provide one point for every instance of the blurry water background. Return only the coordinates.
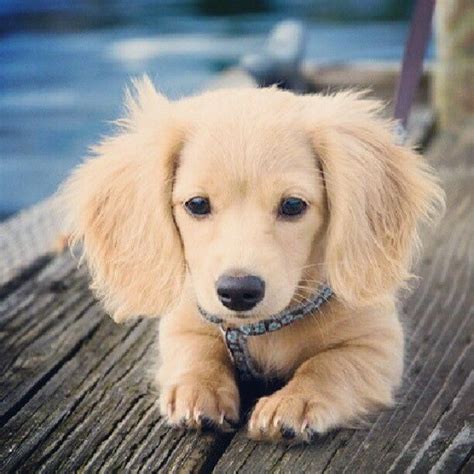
(64, 65)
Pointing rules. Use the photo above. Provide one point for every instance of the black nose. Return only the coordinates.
(240, 293)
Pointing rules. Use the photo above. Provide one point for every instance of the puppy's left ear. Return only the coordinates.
(118, 206)
(378, 193)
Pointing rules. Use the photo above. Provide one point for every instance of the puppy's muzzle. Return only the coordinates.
(240, 293)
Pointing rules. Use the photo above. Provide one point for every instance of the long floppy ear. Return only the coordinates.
(378, 193)
(118, 205)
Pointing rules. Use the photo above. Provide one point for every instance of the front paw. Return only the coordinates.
(289, 416)
(200, 404)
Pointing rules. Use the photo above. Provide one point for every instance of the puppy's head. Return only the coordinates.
(257, 194)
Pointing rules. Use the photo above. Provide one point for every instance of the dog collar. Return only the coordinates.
(236, 337)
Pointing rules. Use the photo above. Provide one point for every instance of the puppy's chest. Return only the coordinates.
(280, 353)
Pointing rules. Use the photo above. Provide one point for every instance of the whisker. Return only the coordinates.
(301, 298)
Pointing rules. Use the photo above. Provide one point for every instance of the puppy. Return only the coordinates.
(269, 194)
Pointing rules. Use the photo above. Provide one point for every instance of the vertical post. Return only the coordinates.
(454, 73)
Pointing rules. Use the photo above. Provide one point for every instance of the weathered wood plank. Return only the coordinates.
(433, 423)
(38, 335)
(75, 392)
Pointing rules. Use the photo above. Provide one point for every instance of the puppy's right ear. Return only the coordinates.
(118, 206)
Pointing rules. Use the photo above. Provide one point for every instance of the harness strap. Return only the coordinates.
(236, 338)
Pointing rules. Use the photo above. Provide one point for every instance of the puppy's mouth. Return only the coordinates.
(232, 316)
(259, 313)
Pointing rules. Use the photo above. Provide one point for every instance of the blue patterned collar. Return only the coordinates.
(236, 337)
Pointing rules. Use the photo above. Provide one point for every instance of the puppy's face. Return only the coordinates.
(257, 194)
(249, 204)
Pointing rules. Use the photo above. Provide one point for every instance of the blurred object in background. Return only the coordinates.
(64, 65)
(280, 61)
(454, 78)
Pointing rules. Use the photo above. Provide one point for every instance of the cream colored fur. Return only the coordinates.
(246, 149)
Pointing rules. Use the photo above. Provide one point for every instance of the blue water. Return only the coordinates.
(62, 77)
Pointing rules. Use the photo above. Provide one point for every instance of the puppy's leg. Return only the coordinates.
(332, 389)
(196, 377)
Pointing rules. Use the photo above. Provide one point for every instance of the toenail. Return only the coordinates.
(287, 432)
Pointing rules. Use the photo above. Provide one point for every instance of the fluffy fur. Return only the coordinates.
(246, 149)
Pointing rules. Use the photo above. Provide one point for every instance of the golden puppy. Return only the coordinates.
(237, 204)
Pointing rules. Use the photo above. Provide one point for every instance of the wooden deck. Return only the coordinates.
(74, 395)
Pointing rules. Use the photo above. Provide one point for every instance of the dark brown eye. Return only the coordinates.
(291, 207)
(198, 206)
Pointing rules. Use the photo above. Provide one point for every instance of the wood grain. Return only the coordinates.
(74, 390)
